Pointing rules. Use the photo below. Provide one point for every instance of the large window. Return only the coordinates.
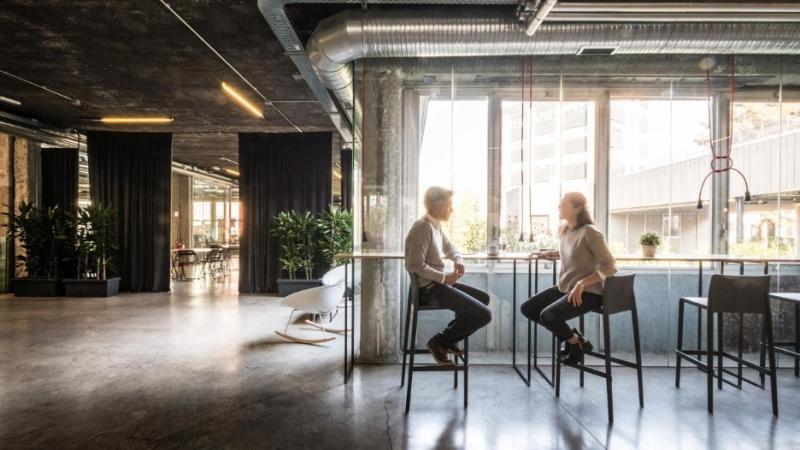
(453, 154)
(658, 154)
(215, 214)
(766, 148)
(547, 150)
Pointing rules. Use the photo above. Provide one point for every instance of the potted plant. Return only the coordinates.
(46, 236)
(298, 237)
(336, 234)
(95, 244)
(649, 242)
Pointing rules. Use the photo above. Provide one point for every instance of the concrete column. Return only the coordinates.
(181, 227)
(26, 169)
(739, 219)
(797, 230)
(6, 199)
(382, 182)
(720, 182)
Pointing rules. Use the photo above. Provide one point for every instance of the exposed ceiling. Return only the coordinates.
(134, 57)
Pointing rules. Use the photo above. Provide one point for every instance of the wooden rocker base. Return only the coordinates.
(304, 341)
(331, 330)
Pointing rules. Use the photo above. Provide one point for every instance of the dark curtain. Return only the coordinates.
(132, 172)
(279, 172)
(347, 179)
(60, 178)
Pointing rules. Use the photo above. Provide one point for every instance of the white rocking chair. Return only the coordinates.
(319, 301)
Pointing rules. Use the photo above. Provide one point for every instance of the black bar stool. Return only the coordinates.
(618, 296)
(794, 299)
(412, 315)
(728, 294)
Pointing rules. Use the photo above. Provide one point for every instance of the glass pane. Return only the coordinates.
(453, 154)
(547, 150)
(658, 155)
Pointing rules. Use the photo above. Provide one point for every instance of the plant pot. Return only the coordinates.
(92, 288)
(286, 286)
(649, 251)
(38, 287)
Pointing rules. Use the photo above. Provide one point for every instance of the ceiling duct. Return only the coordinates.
(424, 32)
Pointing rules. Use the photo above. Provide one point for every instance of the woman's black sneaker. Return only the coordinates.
(576, 351)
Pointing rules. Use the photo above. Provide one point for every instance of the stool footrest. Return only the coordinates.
(619, 361)
(586, 369)
(436, 368)
(787, 352)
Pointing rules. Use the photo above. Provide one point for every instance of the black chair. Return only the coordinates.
(215, 263)
(412, 315)
(186, 258)
(794, 299)
(728, 294)
(618, 296)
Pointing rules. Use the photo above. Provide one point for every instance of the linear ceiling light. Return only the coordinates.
(137, 120)
(241, 100)
(232, 172)
(10, 100)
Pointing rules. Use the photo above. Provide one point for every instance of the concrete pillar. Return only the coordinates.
(6, 199)
(383, 199)
(26, 169)
(181, 227)
(797, 230)
(739, 219)
(720, 182)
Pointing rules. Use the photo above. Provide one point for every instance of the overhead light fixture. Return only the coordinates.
(241, 100)
(136, 120)
(232, 172)
(229, 160)
(216, 168)
(337, 174)
(10, 100)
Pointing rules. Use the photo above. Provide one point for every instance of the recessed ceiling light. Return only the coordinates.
(233, 93)
(10, 100)
(137, 120)
(216, 168)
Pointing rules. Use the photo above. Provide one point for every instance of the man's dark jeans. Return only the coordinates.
(469, 304)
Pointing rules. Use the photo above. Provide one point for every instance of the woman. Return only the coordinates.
(585, 263)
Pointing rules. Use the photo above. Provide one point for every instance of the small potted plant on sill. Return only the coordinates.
(649, 243)
(95, 243)
(46, 236)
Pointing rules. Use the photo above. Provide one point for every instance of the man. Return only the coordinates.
(426, 245)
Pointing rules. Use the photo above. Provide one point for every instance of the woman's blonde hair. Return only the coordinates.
(577, 200)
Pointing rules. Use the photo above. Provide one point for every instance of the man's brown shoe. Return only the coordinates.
(439, 353)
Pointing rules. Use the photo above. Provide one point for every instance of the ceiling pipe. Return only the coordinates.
(351, 35)
(337, 102)
(534, 21)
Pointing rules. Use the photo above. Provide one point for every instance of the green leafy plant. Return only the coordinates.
(335, 228)
(96, 241)
(297, 234)
(47, 238)
(650, 239)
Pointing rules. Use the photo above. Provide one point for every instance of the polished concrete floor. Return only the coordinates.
(202, 368)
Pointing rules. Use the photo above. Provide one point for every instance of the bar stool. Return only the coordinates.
(728, 294)
(412, 316)
(794, 299)
(618, 296)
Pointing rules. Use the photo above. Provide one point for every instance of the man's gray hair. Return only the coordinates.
(436, 196)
